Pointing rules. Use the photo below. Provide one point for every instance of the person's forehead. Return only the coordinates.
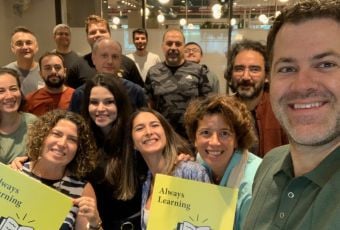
(51, 59)
(173, 36)
(191, 46)
(109, 47)
(97, 25)
(249, 56)
(62, 29)
(23, 36)
(140, 35)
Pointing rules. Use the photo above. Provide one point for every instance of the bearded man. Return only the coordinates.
(55, 94)
(247, 74)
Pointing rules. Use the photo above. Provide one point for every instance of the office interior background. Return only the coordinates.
(214, 24)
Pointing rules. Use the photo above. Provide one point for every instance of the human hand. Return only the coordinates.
(88, 209)
(184, 157)
(18, 162)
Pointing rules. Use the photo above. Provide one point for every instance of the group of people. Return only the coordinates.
(120, 141)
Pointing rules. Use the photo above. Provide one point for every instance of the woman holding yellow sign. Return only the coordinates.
(222, 131)
(159, 145)
(62, 152)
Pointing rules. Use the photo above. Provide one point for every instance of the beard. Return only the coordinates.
(173, 58)
(55, 81)
(140, 47)
(247, 90)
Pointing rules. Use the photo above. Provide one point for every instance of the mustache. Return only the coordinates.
(245, 83)
(310, 93)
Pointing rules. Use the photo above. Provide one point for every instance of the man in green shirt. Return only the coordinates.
(298, 185)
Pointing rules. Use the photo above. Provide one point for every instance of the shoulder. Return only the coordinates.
(29, 117)
(12, 65)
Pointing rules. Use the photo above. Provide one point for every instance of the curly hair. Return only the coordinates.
(15, 74)
(301, 12)
(235, 113)
(85, 158)
(175, 144)
(239, 47)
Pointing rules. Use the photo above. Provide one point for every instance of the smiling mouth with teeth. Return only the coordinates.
(307, 105)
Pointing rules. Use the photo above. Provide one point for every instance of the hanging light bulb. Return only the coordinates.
(182, 21)
(160, 18)
(116, 20)
(164, 1)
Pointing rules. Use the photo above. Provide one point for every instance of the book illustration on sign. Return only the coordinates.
(185, 225)
(10, 224)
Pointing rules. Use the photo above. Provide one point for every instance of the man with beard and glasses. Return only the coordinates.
(297, 186)
(246, 75)
(143, 58)
(171, 84)
(55, 94)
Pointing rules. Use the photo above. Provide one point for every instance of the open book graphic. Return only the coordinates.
(10, 224)
(189, 226)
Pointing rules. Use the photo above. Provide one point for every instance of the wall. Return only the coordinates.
(39, 17)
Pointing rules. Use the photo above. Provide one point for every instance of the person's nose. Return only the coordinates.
(62, 141)
(214, 140)
(101, 106)
(246, 74)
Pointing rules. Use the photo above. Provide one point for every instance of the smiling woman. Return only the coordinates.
(62, 153)
(13, 122)
(153, 137)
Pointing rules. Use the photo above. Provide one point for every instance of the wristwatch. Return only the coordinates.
(98, 227)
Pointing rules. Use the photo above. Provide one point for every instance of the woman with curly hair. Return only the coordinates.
(62, 152)
(221, 129)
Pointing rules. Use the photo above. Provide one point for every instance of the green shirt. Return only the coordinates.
(282, 201)
(14, 144)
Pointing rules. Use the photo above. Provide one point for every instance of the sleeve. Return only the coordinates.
(77, 100)
(204, 86)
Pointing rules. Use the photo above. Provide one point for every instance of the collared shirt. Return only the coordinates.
(282, 201)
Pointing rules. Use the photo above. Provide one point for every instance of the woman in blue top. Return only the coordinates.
(159, 145)
(221, 128)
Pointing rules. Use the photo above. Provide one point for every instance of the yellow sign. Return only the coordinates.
(180, 204)
(27, 204)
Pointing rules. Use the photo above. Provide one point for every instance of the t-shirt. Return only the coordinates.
(144, 63)
(14, 144)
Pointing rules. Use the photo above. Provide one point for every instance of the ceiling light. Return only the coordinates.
(115, 20)
(164, 1)
(182, 21)
(160, 18)
(233, 21)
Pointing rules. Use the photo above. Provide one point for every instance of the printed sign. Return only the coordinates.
(27, 204)
(180, 204)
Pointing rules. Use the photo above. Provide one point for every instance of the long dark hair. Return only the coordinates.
(117, 166)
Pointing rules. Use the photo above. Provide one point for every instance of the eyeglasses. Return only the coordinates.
(253, 70)
(193, 50)
(50, 67)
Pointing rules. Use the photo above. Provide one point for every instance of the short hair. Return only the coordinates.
(234, 112)
(302, 12)
(118, 164)
(140, 31)
(242, 46)
(15, 74)
(95, 19)
(86, 155)
(175, 144)
(173, 30)
(61, 26)
(196, 44)
(47, 54)
(22, 29)
(100, 40)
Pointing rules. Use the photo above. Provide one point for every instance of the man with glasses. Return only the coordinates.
(55, 95)
(193, 52)
(246, 75)
(24, 46)
(62, 38)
